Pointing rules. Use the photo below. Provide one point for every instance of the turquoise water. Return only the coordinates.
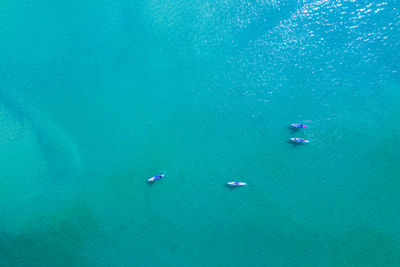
(98, 96)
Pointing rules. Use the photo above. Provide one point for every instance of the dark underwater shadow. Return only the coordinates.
(294, 144)
(232, 187)
(59, 241)
(292, 129)
(150, 183)
(61, 153)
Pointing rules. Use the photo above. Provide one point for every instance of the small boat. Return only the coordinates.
(157, 177)
(299, 140)
(236, 183)
(298, 125)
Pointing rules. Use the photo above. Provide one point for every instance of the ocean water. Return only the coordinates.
(98, 96)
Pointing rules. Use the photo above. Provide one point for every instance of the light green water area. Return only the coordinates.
(98, 96)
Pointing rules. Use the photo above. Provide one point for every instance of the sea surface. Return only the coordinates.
(98, 96)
